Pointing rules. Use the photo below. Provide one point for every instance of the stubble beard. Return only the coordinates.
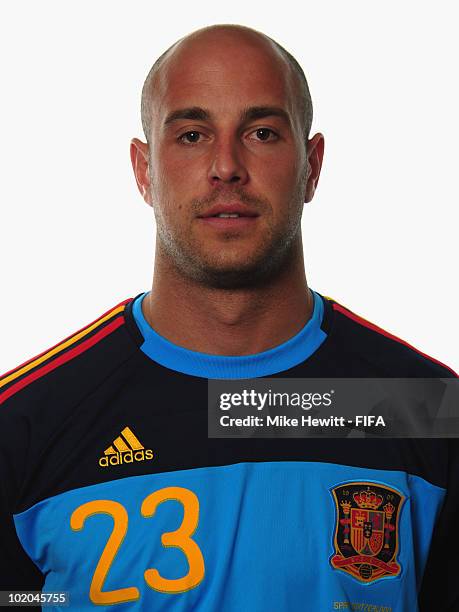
(276, 252)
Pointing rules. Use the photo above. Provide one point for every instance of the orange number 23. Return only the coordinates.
(180, 538)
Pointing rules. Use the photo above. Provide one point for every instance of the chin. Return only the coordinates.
(233, 268)
(238, 276)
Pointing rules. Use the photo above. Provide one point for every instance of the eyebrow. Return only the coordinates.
(260, 112)
(196, 113)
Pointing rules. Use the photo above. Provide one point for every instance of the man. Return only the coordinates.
(112, 490)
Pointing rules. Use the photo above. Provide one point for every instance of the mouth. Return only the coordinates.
(229, 216)
(229, 211)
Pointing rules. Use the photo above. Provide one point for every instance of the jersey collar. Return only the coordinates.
(278, 359)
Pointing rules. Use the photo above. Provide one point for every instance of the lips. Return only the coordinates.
(229, 211)
(232, 217)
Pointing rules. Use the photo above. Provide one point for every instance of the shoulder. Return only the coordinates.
(386, 352)
(51, 402)
(73, 364)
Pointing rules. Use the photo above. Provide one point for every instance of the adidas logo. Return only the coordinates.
(126, 448)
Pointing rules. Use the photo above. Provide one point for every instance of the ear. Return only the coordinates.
(139, 159)
(315, 155)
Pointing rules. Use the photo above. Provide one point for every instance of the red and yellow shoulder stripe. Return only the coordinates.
(358, 319)
(68, 349)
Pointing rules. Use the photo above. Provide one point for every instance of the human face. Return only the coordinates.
(227, 139)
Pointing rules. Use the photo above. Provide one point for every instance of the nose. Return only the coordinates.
(227, 164)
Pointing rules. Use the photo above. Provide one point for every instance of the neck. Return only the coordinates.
(225, 321)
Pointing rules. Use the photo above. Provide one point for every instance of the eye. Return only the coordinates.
(264, 135)
(191, 137)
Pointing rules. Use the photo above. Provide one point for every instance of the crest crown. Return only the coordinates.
(368, 499)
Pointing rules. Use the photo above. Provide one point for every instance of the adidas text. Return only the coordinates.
(126, 457)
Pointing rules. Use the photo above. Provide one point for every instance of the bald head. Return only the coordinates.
(218, 38)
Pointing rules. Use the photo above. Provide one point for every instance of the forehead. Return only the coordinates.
(224, 73)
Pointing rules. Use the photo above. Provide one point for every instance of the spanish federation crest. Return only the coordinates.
(366, 530)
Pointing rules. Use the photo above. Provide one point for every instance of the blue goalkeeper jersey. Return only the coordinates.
(112, 491)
